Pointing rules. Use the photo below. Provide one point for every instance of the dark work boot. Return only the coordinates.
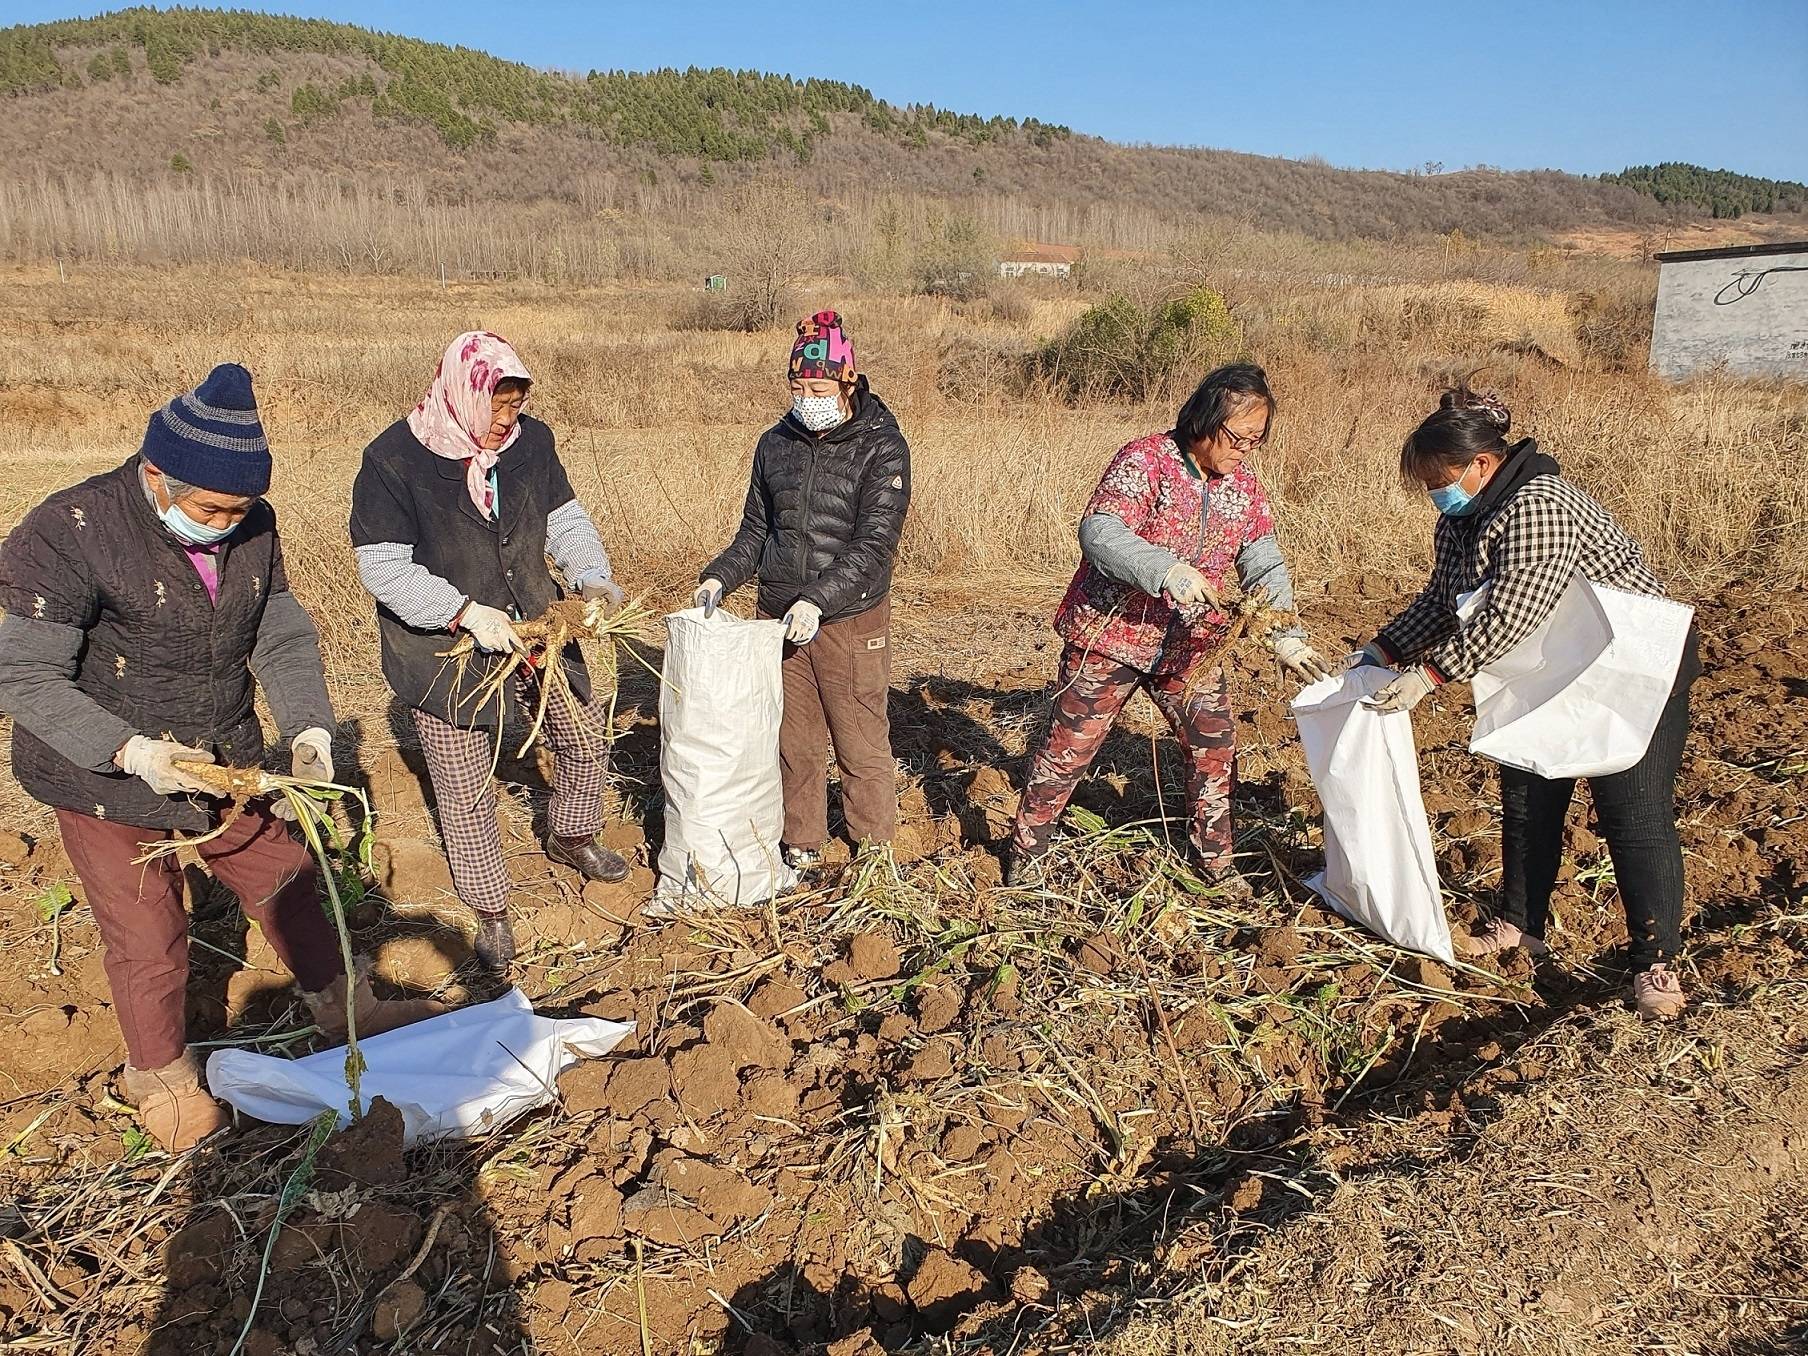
(495, 944)
(589, 858)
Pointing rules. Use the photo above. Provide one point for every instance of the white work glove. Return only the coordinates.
(1368, 656)
(802, 622)
(1404, 693)
(490, 628)
(310, 760)
(1300, 659)
(596, 589)
(1188, 588)
(708, 597)
(153, 762)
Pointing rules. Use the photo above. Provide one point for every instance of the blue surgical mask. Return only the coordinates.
(1452, 499)
(188, 530)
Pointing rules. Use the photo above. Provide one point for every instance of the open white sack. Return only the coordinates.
(1581, 696)
(1379, 869)
(463, 1072)
(719, 712)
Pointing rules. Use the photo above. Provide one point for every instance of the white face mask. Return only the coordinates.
(817, 413)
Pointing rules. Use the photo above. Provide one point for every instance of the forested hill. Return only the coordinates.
(1720, 193)
(256, 97)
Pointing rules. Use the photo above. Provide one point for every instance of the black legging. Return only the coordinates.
(1637, 813)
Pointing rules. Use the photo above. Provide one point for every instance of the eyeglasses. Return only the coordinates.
(1241, 443)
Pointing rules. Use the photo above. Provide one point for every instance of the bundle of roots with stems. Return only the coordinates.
(542, 643)
(345, 859)
(1252, 617)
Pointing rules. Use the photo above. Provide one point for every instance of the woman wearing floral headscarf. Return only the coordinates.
(454, 513)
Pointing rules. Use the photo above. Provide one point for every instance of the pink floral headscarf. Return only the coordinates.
(454, 415)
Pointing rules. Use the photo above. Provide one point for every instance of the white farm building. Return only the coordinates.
(1744, 309)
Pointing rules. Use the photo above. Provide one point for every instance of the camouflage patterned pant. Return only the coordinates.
(1089, 693)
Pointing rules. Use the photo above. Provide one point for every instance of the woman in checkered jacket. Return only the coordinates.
(1509, 519)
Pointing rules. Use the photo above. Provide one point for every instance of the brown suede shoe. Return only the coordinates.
(589, 858)
(173, 1107)
(374, 1015)
(1499, 935)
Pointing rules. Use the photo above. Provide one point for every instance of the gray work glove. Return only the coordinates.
(1300, 659)
(708, 597)
(1186, 587)
(596, 589)
(310, 760)
(490, 627)
(802, 622)
(1404, 693)
(1369, 656)
(153, 762)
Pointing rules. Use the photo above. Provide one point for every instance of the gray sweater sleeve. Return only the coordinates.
(391, 575)
(1260, 565)
(286, 662)
(1113, 549)
(37, 689)
(575, 545)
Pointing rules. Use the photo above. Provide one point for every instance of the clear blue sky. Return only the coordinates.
(1581, 85)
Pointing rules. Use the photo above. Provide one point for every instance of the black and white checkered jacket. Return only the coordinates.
(1526, 538)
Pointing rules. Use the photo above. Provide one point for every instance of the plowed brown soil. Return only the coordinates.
(907, 1103)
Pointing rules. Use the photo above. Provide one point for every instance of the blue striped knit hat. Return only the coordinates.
(211, 436)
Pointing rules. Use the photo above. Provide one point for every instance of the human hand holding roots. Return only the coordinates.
(541, 643)
(1251, 616)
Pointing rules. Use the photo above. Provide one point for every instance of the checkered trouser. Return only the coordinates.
(459, 761)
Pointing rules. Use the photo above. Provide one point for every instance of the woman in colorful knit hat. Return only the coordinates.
(1177, 519)
(454, 513)
(824, 511)
(141, 607)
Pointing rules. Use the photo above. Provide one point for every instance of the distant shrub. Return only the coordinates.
(955, 260)
(180, 164)
(1613, 329)
(1012, 306)
(1118, 349)
(311, 103)
(745, 310)
(100, 67)
(273, 129)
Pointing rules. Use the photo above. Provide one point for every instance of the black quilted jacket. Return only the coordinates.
(823, 514)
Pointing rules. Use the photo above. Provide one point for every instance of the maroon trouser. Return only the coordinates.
(837, 687)
(138, 908)
(1089, 693)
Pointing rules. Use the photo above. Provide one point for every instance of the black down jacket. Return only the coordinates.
(823, 514)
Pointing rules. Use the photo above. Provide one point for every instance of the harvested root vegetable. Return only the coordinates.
(543, 641)
(1251, 617)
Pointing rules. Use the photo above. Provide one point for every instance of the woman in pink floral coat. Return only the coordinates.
(1175, 519)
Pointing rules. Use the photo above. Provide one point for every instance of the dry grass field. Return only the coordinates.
(1114, 1116)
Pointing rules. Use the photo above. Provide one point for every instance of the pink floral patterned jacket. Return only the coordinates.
(1206, 523)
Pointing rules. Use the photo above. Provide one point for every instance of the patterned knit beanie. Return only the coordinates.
(822, 349)
(211, 437)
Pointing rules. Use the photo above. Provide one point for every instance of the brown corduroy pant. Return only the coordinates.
(138, 909)
(836, 687)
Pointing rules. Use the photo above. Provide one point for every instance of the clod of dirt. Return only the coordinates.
(721, 1193)
(14, 850)
(633, 1083)
(704, 1079)
(380, 1236)
(774, 998)
(962, 1142)
(874, 955)
(198, 1252)
(368, 1152)
(1100, 953)
(1278, 946)
(397, 1310)
(933, 1062)
(421, 962)
(938, 1007)
(861, 1343)
(1247, 1194)
(749, 1040)
(761, 1345)
(581, 1087)
(1425, 972)
(1029, 1286)
(944, 1287)
(999, 1053)
(596, 1213)
(770, 1095)
(655, 1214)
